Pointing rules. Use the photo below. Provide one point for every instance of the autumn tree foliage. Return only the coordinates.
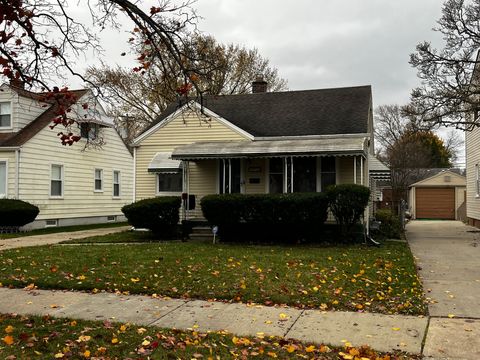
(40, 40)
(135, 100)
(410, 146)
(449, 90)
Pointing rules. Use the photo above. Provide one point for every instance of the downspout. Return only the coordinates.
(17, 173)
(134, 174)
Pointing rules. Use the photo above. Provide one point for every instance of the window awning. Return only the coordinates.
(163, 163)
(332, 146)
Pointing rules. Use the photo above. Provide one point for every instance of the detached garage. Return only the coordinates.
(441, 196)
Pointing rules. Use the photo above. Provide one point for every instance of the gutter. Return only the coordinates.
(9, 148)
(313, 137)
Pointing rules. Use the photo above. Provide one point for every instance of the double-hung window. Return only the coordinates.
(327, 172)
(98, 180)
(116, 183)
(170, 182)
(3, 179)
(56, 181)
(5, 115)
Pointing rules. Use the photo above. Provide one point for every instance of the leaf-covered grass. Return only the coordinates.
(54, 230)
(355, 278)
(32, 337)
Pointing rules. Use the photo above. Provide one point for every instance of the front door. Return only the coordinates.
(230, 176)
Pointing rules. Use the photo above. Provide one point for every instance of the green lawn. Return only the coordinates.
(30, 337)
(355, 278)
(53, 230)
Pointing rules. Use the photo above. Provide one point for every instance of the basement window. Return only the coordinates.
(51, 223)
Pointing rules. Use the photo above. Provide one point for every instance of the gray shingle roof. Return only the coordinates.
(293, 113)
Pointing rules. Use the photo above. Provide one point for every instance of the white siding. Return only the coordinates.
(24, 110)
(79, 198)
(472, 143)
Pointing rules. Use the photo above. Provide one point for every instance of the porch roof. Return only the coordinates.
(331, 146)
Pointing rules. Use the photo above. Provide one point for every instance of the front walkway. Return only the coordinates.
(55, 238)
(448, 257)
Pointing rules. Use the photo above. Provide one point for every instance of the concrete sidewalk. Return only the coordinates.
(447, 254)
(55, 238)
(381, 332)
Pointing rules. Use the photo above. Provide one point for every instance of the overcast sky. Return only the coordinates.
(322, 43)
(330, 43)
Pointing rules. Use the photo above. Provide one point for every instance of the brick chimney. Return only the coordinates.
(259, 85)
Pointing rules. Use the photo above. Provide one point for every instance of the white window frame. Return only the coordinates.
(477, 181)
(119, 184)
(62, 181)
(11, 117)
(95, 180)
(4, 196)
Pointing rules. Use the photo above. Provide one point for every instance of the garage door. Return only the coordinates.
(435, 203)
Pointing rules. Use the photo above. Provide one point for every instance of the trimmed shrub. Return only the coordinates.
(160, 214)
(266, 217)
(348, 203)
(17, 212)
(390, 227)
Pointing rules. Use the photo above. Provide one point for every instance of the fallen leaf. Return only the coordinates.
(8, 339)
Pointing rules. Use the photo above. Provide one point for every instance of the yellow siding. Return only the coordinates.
(9, 157)
(440, 180)
(184, 129)
(79, 198)
(345, 170)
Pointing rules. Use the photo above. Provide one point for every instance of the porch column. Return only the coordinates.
(361, 170)
(291, 174)
(285, 175)
(229, 176)
(224, 178)
(355, 169)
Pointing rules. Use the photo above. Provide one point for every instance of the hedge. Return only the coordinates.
(160, 214)
(348, 203)
(390, 225)
(16, 212)
(266, 217)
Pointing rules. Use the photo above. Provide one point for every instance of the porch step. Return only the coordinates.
(203, 233)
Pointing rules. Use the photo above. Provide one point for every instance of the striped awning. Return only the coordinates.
(163, 163)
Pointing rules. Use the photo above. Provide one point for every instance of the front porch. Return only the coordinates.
(259, 167)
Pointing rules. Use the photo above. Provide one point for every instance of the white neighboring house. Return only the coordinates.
(70, 184)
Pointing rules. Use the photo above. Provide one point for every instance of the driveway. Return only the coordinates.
(448, 259)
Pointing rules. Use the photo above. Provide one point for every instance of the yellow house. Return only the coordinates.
(295, 141)
(70, 184)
